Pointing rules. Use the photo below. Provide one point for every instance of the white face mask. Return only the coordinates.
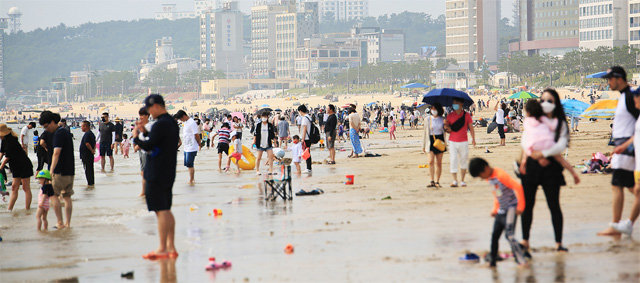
(547, 107)
(434, 112)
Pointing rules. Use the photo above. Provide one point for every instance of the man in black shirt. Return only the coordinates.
(160, 171)
(119, 129)
(330, 133)
(87, 150)
(62, 166)
(106, 129)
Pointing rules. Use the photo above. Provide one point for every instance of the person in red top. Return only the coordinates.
(456, 124)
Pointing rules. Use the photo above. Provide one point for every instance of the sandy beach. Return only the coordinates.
(349, 234)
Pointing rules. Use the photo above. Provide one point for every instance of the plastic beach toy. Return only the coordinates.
(350, 180)
(470, 258)
(288, 249)
(217, 212)
(215, 266)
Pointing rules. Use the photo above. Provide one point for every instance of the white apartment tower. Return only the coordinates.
(472, 32)
(604, 23)
(202, 6)
(634, 23)
(342, 10)
(221, 35)
(164, 49)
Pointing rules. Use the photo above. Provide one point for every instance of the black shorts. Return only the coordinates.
(223, 148)
(106, 150)
(622, 178)
(22, 171)
(159, 195)
(501, 130)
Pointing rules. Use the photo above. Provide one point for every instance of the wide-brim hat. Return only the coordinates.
(4, 130)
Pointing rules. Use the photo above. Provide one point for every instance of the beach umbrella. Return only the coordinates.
(601, 109)
(414, 85)
(239, 115)
(278, 110)
(522, 95)
(573, 107)
(371, 104)
(422, 108)
(597, 75)
(264, 105)
(263, 110)
(445, 97)
(224, 111)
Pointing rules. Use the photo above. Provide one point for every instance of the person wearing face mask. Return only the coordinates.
(434, 130)
(457, 124)
(623, 161)
(263, 139)
(542, 169)
(106, 129)
(500, 106)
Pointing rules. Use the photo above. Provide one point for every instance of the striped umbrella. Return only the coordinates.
(522, 95)
(602, 109)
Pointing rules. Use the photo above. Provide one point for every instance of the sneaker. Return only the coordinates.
(463, 184)
(454, 184)
(624, 227)
(307, 171)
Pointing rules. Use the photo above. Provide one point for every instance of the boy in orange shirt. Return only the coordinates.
(507, 204)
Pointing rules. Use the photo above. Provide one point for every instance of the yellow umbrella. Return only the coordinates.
(601, 109)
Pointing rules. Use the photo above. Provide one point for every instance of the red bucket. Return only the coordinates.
(349, 180)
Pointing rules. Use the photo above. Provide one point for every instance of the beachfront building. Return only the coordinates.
(327, 53)
(264, 37)
(382, 45)
(221, 40)
(170, 12)
(547, 27)
(634, 23)
(292, 29)
(165, 58)
(472, 32)
(3, 26)
(341, 10)
(603, 23)
(202, 6)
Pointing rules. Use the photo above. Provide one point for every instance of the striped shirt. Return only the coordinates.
(507, 192)
(224, 135)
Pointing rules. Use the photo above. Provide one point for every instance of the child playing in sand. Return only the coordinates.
(223, 134)
(46, 191)
(341, 133)
(508, 203)
(296, 153)
(539, 135)
(392, 129)
(126, 145)
(236, 141)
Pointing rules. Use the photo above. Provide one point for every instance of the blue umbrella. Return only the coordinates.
(597, 75)
(573, 107)
(445, 97)
(371, 104)
(415, 85)
(264, 105)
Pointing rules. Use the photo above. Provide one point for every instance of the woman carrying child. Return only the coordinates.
(543, 168)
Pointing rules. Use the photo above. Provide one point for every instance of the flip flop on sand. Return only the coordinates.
(154, 256)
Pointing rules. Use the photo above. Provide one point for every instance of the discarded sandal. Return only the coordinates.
(155, 256)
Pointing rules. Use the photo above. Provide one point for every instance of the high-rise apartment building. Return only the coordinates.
(634, 23)
(342, 10)
(170, 12)
(221, 39)
(472, 32)
(547, 27)
(4, 24)
(603, 23)
(202, 6)
(264, 37)
(291, 30)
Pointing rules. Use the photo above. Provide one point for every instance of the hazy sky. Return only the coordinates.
(46, 13)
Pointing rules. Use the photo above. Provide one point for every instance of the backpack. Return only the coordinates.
(314, 133)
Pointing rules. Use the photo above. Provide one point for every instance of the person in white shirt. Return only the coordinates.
(191, 142)
(500, 106)
(26, 136)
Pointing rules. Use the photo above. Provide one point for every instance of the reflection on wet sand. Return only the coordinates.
(168, 270)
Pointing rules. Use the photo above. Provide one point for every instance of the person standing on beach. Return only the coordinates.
(354, 130)
(26, 136)
(87, 151)
(62, 167)
(330, 132)
(500, 106)
(434, 130)
(457, 123)
(20, 164)
(160, 172)
(190, 142)
(118, 129)
(623, 161)
(305, 133)
(143, 119)
(106, 129)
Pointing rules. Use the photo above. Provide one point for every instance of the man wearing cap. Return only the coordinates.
(106, 129)
(623, 161)
(160, 171)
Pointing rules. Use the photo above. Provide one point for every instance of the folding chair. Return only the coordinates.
(282, 188)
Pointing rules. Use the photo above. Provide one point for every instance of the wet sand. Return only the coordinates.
(347, 234)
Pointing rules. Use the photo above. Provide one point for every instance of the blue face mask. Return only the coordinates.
(456, 106)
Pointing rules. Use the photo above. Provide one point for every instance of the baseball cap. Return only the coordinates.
(153, 99)
(616, 72)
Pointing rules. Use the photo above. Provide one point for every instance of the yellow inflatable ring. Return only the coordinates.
(249, 160)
